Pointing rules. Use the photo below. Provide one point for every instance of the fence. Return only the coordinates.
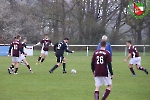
(125, 48)
(88, 46)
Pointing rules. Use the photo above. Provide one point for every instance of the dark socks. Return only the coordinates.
(64, 66)
(29, 67)
(12, 66)
(39, 58)
(141, 68)
(132, 70)
(16, 70)
(42, 59)
(54, 68)
(107, 92)
(96, 95)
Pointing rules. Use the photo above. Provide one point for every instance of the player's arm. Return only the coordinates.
(9, 51)
(55, 47)
(67, 50)
(21, 50)
(37, 44)
(92, 66)
(110, 69)
(128, 57)
(51, 44)
(28, 48)
(25, 46)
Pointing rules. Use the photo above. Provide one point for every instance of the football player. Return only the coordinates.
(24, 45)
(59, 49)
(102, 70)
(15, 49)
(46, 42)
(135, 58)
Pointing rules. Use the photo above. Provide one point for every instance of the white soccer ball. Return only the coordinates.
(73, 71)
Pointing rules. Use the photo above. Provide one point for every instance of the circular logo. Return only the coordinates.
(138, 9)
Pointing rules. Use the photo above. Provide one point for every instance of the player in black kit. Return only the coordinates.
(59, 49)
(24, 45)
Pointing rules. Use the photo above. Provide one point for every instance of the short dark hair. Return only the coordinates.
(45, 34)
(18, 36)
(129, 41)
(66, 39)
(103, 43)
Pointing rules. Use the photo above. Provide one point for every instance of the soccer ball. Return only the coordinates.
(73, 71)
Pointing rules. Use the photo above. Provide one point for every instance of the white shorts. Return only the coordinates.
(99, 81)
(21, 57)
(15, 59)
(136, 60)
(44, 52)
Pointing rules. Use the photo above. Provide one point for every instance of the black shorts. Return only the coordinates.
(59, 58)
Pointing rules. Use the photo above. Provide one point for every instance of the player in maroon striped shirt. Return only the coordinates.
(102, 70)
(16, 48)
(135, 58)
(46, 42)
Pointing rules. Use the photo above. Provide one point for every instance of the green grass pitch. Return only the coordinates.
(41, 85)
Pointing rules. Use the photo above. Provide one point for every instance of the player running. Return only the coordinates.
(101, 58)
(16, 49)
(24, 45)
(59, 49)
(135, 58)
(45, 47)
(23, 57)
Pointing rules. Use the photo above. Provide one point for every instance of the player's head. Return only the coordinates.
(46, 36)
(66, 40)
(103, 44)
(25, 40)
(18, 37)
(128, 43)
(104, 38)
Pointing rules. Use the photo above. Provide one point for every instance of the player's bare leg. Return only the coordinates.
(64, 65)
(28, 66)
(43, 58)
(16, 67)
(11, 68)
(57, 65)
(131, 69)
(96, 93)
(107, 92)
(39, 58)
(141, 68)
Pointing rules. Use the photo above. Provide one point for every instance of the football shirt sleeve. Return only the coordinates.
(67, 50)
(55, 46)
(109, 64)
(92, 63)
(20, 48)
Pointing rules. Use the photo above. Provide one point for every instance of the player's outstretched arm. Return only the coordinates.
(129, 55)
(52, 45)
(37, 44)
(69, 51)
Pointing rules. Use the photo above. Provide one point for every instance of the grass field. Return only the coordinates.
(41, 85)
